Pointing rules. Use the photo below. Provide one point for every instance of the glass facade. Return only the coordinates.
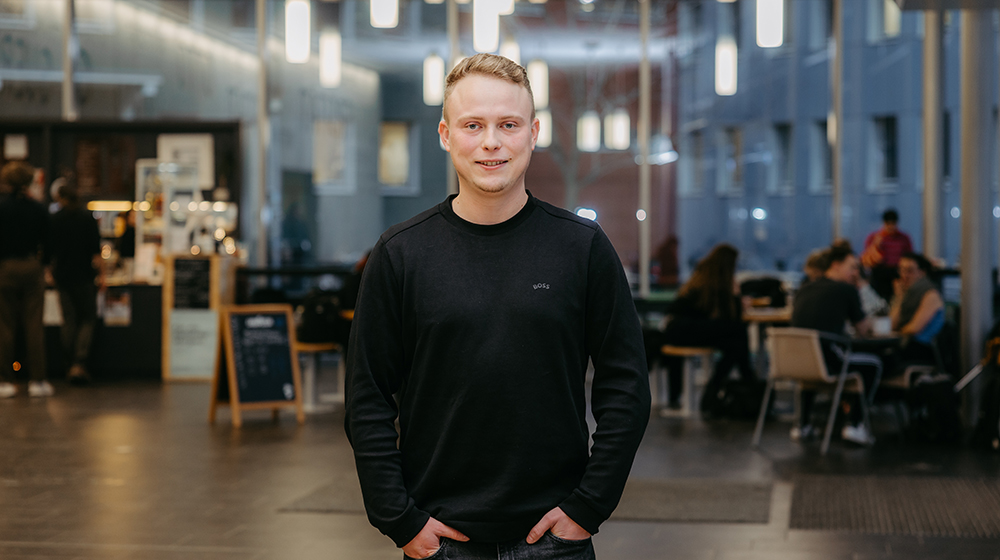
(355, 150)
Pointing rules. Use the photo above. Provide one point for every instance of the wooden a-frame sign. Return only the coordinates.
(257, 366)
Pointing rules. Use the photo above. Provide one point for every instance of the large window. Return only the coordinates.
(884, 20)
(820, 14)
(17, 14)
(884, 161)
(820, 159)
(731, 162)
(946, 145)
(693, 164)
(397, 161)
(782, 161)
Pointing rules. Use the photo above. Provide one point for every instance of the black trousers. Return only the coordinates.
(22, 299)
(729, 337)
(79, 306)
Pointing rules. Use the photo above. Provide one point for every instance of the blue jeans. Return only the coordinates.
(549, 547)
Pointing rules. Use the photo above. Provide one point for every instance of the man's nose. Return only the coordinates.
(491, 139)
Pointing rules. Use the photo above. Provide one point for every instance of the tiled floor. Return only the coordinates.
(133, 470)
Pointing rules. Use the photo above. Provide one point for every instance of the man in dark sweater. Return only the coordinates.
(23, 234)
(75, 248)
(828, 304)
(474, 327)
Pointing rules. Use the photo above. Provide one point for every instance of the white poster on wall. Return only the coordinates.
(194, 341)
(191, 149)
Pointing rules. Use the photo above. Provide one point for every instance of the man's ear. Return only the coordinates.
(535, 126)
(445, 134)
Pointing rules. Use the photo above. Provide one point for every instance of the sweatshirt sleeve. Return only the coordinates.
(620, 398)
(375, 368)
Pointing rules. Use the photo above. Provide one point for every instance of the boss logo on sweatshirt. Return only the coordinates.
(540, 286)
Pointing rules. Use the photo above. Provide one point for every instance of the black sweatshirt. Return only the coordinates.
(483, 334)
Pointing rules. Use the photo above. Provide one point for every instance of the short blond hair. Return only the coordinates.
(490, 65)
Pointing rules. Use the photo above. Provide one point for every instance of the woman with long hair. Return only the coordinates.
(708, 312)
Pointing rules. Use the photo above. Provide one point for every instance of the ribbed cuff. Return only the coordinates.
(408, 528)
(582, 514)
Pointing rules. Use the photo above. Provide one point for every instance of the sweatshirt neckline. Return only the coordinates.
(449, 214)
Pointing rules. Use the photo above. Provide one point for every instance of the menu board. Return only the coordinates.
(260, 369)
(192, 283)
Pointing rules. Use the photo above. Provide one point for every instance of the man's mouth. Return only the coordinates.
(492, 163)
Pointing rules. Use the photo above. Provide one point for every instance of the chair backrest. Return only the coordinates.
(796, 354)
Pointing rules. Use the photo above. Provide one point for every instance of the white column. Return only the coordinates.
(456, 53)
(69, 48)
(645, 94)
(976, 104)
(836, 83)
(263, 134)
(932, 133)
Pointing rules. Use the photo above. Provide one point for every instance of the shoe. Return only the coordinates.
(7, 390)
(857, 434)
(40, 389)
(78, 375)
(802, 433)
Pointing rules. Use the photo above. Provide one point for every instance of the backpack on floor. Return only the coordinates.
(987, 431)
(740, 400)
(934, 405)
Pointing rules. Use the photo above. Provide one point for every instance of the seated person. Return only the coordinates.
(815, 265)
(828, 304)
(917, 312)
(707, 312)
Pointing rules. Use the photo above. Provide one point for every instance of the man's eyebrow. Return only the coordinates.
(479, 118)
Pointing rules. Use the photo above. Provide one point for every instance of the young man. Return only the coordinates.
(473, 328)
(883, 249)
(75, 248)
(24, 227)
(828, 304)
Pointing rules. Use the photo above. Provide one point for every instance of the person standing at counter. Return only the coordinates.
(75, 248)
(23, 232)
(474, 326)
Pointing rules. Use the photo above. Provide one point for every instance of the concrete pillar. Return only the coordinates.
(263, 135)
(69, 48)
(454, 56)
(645, 94)
(933, 107)
(977, 106)
(837, 94)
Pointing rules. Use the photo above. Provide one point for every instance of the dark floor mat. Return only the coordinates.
(680, 500)
(898, 505)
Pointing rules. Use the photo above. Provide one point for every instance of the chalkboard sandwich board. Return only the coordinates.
(260, 369)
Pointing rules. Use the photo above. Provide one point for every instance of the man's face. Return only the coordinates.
(909, 272)
(890, 227)
(489, 133)
(846, 270)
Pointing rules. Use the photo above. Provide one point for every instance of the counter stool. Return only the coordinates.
(690, 376)
(312, 401)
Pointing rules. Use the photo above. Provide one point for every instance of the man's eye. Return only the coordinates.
(472, 126)
(508, 126)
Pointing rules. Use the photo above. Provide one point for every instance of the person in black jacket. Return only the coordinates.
(708, 312)
(474, 327)
(75, 247)
(23, 232)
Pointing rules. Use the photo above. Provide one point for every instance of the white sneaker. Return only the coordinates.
(40, 389)
(7, 390)
(804, 433)
(857, 434)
